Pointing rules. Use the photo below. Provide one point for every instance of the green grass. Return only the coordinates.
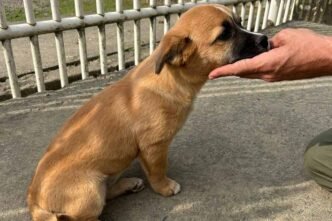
(42, 9)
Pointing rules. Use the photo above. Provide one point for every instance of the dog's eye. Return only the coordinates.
(226, 33)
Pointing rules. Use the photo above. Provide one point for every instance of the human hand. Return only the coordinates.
(295, 54)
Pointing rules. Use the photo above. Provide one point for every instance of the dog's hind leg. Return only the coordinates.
(82, 197)
(125, 185)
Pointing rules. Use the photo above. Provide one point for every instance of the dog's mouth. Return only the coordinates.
(250, 53)
(249, 45)
(235, 59)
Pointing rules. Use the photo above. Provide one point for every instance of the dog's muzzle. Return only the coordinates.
(263, 42)
(249, 44)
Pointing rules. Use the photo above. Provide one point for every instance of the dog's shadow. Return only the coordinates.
(219, 179)
(232, 167)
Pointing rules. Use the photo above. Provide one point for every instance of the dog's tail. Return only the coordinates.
(40, 214)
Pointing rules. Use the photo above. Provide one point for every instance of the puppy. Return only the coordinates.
(136, 118)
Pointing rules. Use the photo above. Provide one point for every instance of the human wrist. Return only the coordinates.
(327, 55)
(328, 40)
(329, 46)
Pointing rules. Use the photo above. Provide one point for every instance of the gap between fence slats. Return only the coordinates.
(102, 38)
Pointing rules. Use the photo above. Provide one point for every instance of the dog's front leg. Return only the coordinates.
(153, 159)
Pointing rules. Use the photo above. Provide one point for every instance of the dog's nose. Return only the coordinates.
(263, 41)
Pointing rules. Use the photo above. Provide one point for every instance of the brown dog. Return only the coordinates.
(136, 117)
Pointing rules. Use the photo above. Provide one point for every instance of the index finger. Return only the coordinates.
(256, 65)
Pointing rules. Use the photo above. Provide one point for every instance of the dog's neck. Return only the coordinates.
(178, 84)
(184, 81)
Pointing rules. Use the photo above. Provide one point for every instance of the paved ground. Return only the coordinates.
(238, 157)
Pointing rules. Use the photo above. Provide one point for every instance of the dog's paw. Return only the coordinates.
(125, 185)
(172, 188)
(176, 188)
(137, 185)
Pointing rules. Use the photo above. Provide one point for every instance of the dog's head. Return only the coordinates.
(206, 37)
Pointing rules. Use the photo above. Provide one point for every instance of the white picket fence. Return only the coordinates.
(255, 14)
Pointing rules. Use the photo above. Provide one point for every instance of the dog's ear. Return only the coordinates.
(174, 50)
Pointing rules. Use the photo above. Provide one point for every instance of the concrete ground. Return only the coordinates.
(238, 157)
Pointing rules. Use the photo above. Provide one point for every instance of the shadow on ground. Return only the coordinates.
(237, 159)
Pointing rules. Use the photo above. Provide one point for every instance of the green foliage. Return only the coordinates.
(14, 14)
(42, 8)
